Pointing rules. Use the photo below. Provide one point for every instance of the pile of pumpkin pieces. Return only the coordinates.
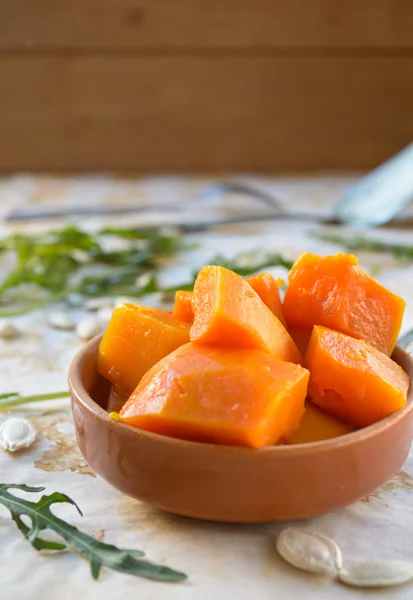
(235, 365)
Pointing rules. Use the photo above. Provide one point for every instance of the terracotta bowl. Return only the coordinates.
(223, 483)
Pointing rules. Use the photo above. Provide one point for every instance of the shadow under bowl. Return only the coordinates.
(233, 484)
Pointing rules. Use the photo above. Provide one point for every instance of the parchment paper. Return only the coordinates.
(222, 560)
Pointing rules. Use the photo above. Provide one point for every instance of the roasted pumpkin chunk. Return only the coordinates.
(224, 396)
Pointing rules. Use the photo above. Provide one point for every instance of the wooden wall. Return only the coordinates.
(204, 84)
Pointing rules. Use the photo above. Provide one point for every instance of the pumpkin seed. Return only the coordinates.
(98, 303)
(309, 551)
(124, 300)
(105, 314)
(89, 327)
(16, 433)
(8, 331)
(379, 572)
(61, 320)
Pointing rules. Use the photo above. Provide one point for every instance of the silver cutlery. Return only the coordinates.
(374, 200)
(406, 341)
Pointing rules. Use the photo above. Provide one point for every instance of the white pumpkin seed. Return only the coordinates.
(75, 300)
(143, 280)
(378, 572)
(61, 320)
(16, 433)
(168, 231)
(8, 330)
(105, 314)
(98, 303)
(123, 300)
(309, 551)
(80, 256)
(89, 327)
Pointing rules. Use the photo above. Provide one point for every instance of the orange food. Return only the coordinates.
(219, 395)
(264, 284)
(137, 337)
(353, 380)
(317, 425)
(183, 306)
(301, 337)
(229, 313)
(334, 292)
(267, 289)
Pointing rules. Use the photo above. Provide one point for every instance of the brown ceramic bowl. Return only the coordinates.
(232, 484)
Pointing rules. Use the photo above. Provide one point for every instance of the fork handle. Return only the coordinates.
(195, 226)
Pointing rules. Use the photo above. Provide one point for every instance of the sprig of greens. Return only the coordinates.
(70, 260)
(13, 399)
(247, 264)
(400, 251)
(107, 263)
(99, 553)
(243, 264)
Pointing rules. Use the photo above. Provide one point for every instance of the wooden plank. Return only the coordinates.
(154, 113)
(205, 24)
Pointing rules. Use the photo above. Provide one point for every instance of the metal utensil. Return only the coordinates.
(406, 341)
(205, 225)
(374, 200)
(212, 191)
(381, 194)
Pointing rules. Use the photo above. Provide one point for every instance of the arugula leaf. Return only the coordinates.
(99, 553)
(243, 264)
(9, 395)
(59, 263)
(401, 251)
(54, 264)
(246, 264)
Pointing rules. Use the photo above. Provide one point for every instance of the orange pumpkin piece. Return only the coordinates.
(182, 308)
(137, 337)
(301, 337)
(264, 284)
(334, 292)
(317, 425)
(229, 313)
(267, 289)
(219, 395)
(353, 380)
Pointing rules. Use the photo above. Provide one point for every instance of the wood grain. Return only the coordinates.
(30, 25)
(154, 113)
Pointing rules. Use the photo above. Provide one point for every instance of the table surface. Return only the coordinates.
(222, 560)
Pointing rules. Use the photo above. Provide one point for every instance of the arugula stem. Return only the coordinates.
(99, 553)
(400, 251)
(14, 401)
(17, 312)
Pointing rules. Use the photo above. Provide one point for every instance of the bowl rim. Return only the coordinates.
(80, 395)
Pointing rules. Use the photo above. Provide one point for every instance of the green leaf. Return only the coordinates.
(99, 553)
(95, 568)
(54, 264)
(9, 395)
(62, 262)
(40, 544)
(243, 264)
(400, 251)
(246, 264)
(23, 487)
